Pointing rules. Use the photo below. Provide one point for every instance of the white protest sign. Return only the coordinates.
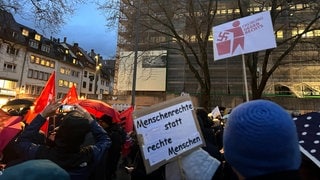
(166, 131)
(244, 35)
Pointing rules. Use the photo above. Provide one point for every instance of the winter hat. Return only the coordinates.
(35, 169)
(260, 137)
(72, 131)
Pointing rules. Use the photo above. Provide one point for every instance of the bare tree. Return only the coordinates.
(186, 26)
(183, 26)
(48, 15)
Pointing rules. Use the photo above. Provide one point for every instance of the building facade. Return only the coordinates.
(27, 59)
(145, 31)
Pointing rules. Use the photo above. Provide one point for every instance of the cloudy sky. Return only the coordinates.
(86, 27)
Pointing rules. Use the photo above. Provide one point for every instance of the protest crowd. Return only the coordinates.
(258, 139)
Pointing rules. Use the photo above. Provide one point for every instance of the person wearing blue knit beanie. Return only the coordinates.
(260, 141)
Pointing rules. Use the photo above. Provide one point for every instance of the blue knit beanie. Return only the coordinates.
(260, 137)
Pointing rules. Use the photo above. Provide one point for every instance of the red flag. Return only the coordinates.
(71, 97)
(47, 95)
(126, 116)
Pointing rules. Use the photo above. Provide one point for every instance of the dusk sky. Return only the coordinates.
(87, 28)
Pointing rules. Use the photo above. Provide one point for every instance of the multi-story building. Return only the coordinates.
(140, 35)
(28, 59)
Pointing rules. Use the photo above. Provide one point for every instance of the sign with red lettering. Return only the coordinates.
(166, 131)
(244, 35)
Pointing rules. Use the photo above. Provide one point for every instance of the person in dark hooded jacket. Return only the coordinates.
(67, 151)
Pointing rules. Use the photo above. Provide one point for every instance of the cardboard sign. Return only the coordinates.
(166, 131)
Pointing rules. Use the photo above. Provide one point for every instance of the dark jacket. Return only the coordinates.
(114, 152)
(290, 175)
(79, 165)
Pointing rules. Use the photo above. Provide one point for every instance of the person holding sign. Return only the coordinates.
(260, 142)
(68, 153)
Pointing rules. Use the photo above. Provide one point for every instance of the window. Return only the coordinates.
(48, 63)
(85, 74)
(38, 90)
(66, 83)
(60, 83)
(280, 34)
(41, 75)
(74, 73)
(32, 58)
(33, 44)
(45, 76)
(90, 87)
(84, 84)
(43, 62)
(14, 34)
(9, 67)
(30, 71)
(52, 64)
(62, 70)
(74, 61)
(12, 50)
(35, 74)
(45, 48)
(37, 60)
(37, 37)
(25, 32)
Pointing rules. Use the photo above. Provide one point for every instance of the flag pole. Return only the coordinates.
(245, 78)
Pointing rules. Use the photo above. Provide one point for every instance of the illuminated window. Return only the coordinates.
(193, 38)
(294, 32)
(67, 51)
(256, 9)
(79, 53)
(43, 62)
(280, 34)
(37, 60)
(66, 83)
(25, 32)
(62, 70)
(60, 83)
(52, 64)
(299, 6)
(37, 37)
(301, 31)
(237, 10)
(316, 32)
(32, 59)
(48, 63)
(310, 34)
(230, 11)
